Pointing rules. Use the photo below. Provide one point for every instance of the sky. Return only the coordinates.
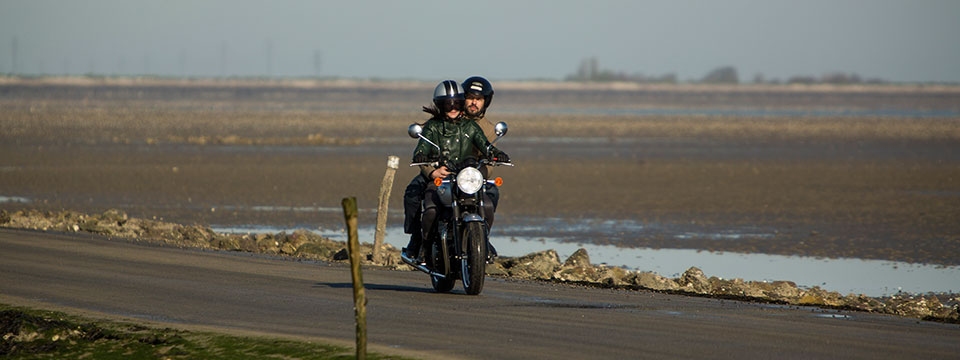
(901, 41)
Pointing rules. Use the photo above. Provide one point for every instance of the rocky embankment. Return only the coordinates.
(544, 265)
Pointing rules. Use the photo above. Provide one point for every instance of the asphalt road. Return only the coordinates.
(236, 292)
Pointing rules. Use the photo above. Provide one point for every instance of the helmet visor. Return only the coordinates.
(447, 105)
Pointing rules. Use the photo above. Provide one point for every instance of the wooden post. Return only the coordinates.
(359, 299)
(386, 186)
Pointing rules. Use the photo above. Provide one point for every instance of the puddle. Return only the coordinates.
(835, 316)
(869, 277)
(14, 199)
(573, 229)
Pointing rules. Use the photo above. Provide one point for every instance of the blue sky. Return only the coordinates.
(908, 41)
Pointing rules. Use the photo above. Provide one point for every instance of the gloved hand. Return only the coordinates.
(421, 158)
(500, 156)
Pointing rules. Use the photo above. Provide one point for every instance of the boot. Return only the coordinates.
(412, 250)
(491, 252)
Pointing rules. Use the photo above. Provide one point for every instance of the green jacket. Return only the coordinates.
(458, 140)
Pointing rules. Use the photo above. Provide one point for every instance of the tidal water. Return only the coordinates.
(868, 277)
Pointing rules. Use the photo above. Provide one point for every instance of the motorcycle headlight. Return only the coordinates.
(469, 180)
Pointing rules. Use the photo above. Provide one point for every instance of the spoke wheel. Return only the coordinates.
(474, 264)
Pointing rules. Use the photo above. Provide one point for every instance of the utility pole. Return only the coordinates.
(146, 64)
(183, 62)
(223, 58)
(269, 51)
(14, 55)
(317, 62)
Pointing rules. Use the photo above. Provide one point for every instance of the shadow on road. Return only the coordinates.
(375, 287)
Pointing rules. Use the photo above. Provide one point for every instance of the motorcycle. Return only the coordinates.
(456, 247)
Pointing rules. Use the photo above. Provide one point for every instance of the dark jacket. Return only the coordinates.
(458, 140)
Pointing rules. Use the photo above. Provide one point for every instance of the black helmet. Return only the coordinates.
(479, 85)
(448, 94)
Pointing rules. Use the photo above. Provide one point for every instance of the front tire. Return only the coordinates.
(475, 262)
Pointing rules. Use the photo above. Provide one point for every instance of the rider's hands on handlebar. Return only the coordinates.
(421, 158)
(440, 172)
(500, 156)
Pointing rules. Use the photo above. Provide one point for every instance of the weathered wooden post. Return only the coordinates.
(359, 299)
(386, 186)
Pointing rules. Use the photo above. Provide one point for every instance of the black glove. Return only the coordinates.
(500, 156)
(421, 158)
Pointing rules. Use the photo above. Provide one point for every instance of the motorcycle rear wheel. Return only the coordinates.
(475, 262)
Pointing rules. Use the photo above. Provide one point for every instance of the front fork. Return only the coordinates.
(452, 231)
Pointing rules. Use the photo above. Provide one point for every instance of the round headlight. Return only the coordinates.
(469, 180)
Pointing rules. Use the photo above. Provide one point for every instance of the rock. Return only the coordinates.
(95, 227)
(577, 268)
(781, 290)
(496, 269)
(267, 244)
(919, 307)
(538, 265)
(226, 242)
(653, 281)
(693, 280)
(578, 258)
(114, 215)
(391, 257)
(861, 302)
(299, 238)
(246, 243)
(4, 217)
(613, 276)
(341, 255)
(288, 248)
(316, 250)
(818, 296)
(735, 287)
(195, 236)
(576, 274)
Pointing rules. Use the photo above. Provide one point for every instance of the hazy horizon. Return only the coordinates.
(502, 40)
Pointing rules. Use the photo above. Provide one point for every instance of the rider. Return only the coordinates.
(479, 95)
(458, 139)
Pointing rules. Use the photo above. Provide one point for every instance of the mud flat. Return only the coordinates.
(834, 172)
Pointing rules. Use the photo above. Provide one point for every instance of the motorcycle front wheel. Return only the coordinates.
(475, 262)
(440, 284)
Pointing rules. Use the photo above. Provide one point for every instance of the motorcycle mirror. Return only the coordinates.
(414, 130)
(500, 129)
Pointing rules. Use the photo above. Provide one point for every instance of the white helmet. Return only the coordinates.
(448, 95)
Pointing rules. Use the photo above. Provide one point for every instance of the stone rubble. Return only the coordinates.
(543, 265)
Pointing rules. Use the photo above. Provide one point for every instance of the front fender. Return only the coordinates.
(471, 217)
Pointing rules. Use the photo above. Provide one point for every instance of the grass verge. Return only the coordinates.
(40, 334)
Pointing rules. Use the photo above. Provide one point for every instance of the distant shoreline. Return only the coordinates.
(540, 85)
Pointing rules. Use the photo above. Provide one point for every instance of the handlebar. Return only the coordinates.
(482, 162)
(498, 163)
